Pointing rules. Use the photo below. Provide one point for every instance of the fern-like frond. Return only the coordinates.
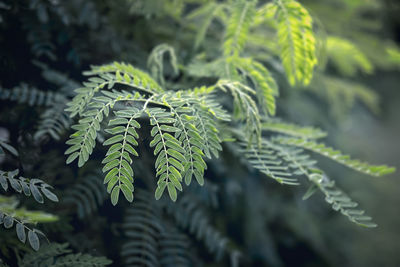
(185, 130)
(208, 12)
(189, 136)
(265, 158)
(83, 140)
(245, 108)
(142, 228)
(49, 251)
(341, 94)
(109, 75)
(8, 206)
(207, 125)
(34, 187)
(266, 87)
(336, 155)
(10, 215)
(81, 260)
(200, 68)
(88, 194)
(265, 14)
(339, 200)
(210, 103)
(206, 111)
(64, 83)
(170, 153)
(154, 8)
(347, 57)
(292, 129)
(155, 62)
(298, 161)
(241, 18)
(60, 255)
(205, 99)
(296, 40)
(151, 241)
(118, 158)
(333, 195)
(302, 164)
(174, 248)
(134, 76)
(190, 216)
(53, 122)
(31, 96)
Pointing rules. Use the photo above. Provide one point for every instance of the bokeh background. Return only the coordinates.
(270, 224)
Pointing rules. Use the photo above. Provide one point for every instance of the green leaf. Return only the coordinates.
(33, 240)
(336, 155)
(160, 190)
(115, 195)
(50, 195)
(11, 149)
(199, 177)
(296, 40)
(238, 27)
(113, 148)
(8, 221)
(130, 149)
(175, 182)
(176, 163)
(127, 193)
(168, 128)
(111, 157)
(35, 192)
(176, 155)
(110, 175)
(172, 191)
(72, 149)
(21, 232)
(175, 172)
(117, 121)
(127, 167)
(131, 140)
(310, 191)
(116, 130)
(114, 139)
(110, 165)
(72, 157)
(174, 145)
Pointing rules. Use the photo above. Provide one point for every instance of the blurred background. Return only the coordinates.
(356, 100)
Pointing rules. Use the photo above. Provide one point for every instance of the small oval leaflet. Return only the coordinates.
(35, 192)
(33, 240)
(15, 185)
(50, 195)
(127, 192)
(21, 232)
(25, 187)
(115, 195)
(160, 190)
(3, 182)
(172, 192)
(8, 221)
(11, 149)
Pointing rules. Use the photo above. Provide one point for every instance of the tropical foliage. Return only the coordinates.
(182, 121)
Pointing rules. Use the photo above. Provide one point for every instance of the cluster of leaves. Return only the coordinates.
(10, 214)
(155, 131)
(60, 255)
